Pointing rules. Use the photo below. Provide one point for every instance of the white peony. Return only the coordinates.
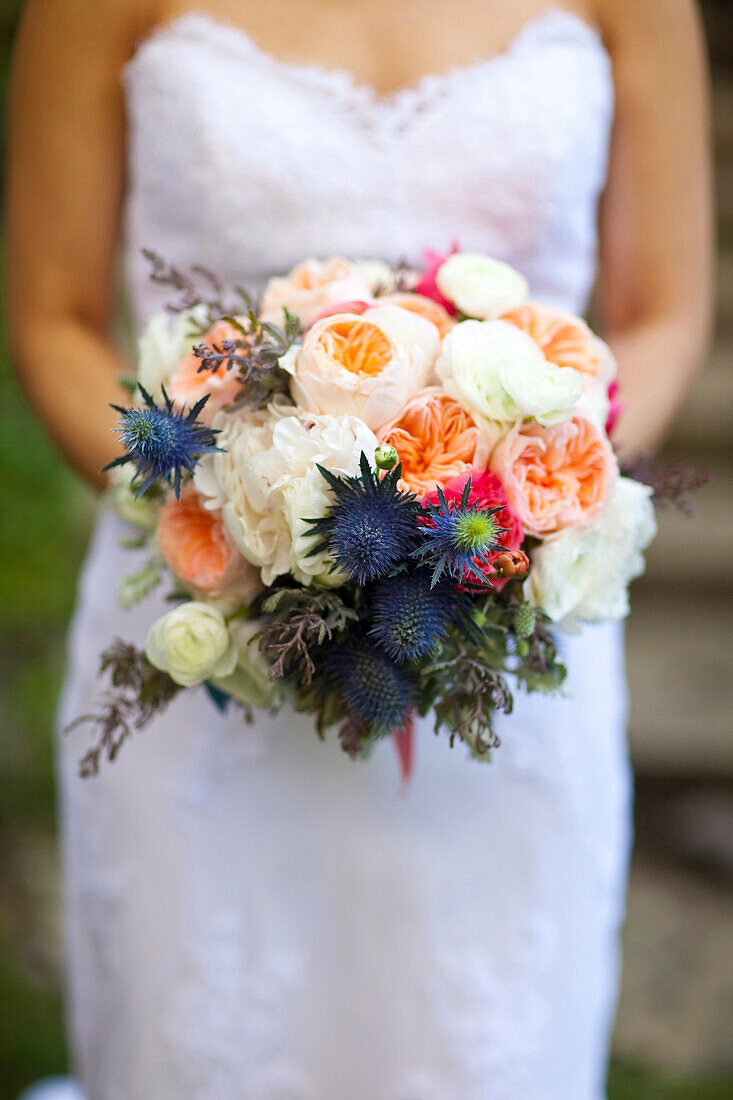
(249, 682)
(498, 371)
(583, 573)
(166, 340)
(481, 286)
(192, 644)
(266, 483)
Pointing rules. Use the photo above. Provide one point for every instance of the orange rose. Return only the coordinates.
(564, 340)
(555, 477)
(196, 547)
(424, 307)
(188, 383)
(436, 440)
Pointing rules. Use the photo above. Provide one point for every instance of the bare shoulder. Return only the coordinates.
(648, 24)
(92, 30)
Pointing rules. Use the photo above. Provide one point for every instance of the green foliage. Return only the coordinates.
(134, 587)
(299, 621)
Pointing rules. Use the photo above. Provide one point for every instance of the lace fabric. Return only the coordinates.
(251, 915)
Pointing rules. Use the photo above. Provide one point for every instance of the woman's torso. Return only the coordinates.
(245, 163)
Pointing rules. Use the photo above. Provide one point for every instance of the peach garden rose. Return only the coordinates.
(436, 439)
(424, 307)
(555, 477)
(310, 288)
(364, 365)
(564, 340)
(193, 541)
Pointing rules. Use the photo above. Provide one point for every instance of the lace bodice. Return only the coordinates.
(246, 163)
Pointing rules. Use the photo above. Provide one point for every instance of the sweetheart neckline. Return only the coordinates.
(343, 79)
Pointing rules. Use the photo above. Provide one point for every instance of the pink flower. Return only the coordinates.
(427, 286)
(487, 491)
(617, 406)
(356, 306)
(555, 477)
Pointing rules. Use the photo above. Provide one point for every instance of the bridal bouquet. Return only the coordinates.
(375, 492)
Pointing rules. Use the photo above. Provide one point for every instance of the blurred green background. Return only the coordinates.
(674, 1037)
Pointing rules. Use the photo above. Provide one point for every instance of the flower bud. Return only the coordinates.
(525, 621)
(386, 457)
(511, 563)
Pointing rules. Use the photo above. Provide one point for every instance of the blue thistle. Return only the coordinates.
(410, 616)
(458, 537)
(377, 692)
(372, 525)
(162, 443)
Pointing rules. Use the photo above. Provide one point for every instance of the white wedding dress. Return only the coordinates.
(252, 915)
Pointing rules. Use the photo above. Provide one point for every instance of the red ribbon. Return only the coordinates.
(404, 739)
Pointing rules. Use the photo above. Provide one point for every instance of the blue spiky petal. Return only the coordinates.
(375, 690)
(409, 616)
(458, 538)
(371, 526)
(162, 444)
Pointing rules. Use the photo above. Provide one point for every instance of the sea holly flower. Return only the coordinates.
(410, 616)
(376, 691)
(487, 491)
(162, 443)
(371, 526)
(459, 536)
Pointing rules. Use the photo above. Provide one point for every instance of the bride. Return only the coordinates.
(252, 916)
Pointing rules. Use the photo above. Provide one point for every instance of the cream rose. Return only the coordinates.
(192, 644)
(481, 286)
(164, 343)
(310, 288)
(583, 573)
(266, 483)
(499, 371)
(249, 682)
(365, 365)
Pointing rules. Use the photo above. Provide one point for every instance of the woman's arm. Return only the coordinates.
(656, 221)
(64, 194)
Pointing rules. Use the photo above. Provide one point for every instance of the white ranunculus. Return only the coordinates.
(266, 483)
(481, 286)
(594, 402)
(498, 371)
(248, 682)
(166, 340)
(192, 644)
(582, 574)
